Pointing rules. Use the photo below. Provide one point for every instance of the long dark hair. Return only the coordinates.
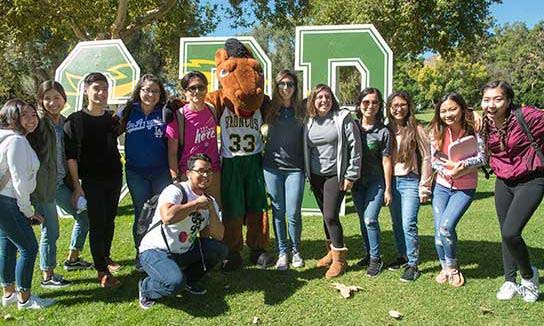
(408, 132)
(275, 104)
(508, 92)
(310, 106)
(11, 113)
(437, 125)
(365, 92)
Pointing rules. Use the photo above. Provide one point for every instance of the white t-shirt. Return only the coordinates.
(181, 235)
(240, 136)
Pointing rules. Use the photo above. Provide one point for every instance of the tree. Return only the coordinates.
(515, 54)
(410, 27)
(457, 73)
(37, 35)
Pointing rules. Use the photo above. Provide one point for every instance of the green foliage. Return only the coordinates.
(457, 73)
(410, 27)
(515, 53)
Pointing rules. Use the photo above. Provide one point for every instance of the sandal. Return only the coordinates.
(456, 279)
(108, 281)
(443, 277)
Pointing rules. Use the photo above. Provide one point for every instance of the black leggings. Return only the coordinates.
(329, 198)
(102, 202)
(515, 204)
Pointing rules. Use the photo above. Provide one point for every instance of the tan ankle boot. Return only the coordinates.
(339, 264)
(327, 259)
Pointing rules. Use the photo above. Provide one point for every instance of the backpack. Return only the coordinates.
(146, 217)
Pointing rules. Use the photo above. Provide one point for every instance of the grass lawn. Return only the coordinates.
(303, 296)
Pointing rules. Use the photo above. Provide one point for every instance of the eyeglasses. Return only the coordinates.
(285, 85)
(368, 103)
(151, 91)
(196, 88)
(204, 173)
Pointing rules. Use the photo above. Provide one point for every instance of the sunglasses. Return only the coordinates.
(368, 103)
(196, 88)
(285, 85)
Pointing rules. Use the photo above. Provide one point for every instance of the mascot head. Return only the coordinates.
(241, 78)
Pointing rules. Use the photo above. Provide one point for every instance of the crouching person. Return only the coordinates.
(183, 241)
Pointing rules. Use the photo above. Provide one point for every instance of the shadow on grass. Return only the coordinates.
(478, 260)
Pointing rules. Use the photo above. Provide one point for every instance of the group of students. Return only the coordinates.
(47, 160)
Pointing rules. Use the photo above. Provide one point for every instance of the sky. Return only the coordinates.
(528, 11)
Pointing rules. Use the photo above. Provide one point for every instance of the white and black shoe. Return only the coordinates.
(528, 289)
(55, 282)
(375, 267)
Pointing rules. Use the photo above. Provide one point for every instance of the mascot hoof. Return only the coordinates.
(261, 258)
(233, 262)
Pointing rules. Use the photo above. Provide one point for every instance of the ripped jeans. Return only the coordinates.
(449, 205)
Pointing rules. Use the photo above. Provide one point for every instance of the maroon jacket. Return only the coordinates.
(519, 158)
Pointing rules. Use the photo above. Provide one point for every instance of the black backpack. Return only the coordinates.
(146, 217)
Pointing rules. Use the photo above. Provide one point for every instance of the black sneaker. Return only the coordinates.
(374, 267)
(76, 264)
(55, 282)
(145, 303)
(411, 273)
(397, 264)
(363, 262)
(195, 289)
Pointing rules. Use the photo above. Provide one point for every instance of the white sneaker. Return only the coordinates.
(282, 263)
(35, 302)
(507, 291)
(297, 260)
(528, 289)
(12, 299)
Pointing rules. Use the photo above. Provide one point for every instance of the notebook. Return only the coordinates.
(463, 148)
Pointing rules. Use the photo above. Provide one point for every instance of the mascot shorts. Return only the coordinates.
(242, 186)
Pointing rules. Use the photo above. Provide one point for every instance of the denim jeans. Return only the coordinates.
(285, 189)
(404, 209)
(16, 234)
(368, 198)
(50, 226)
(168, 273)
(449, 205)
(142, 187)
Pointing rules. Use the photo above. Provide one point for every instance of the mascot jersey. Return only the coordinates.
(240, 136)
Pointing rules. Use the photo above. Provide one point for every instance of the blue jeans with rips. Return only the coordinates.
(168, 273)
(286, 189)
(449, 205)
(143, 187)
(16, 235)
(368, 199)
(50, 226)
(404, 209)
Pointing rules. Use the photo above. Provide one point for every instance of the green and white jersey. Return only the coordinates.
(240, 136)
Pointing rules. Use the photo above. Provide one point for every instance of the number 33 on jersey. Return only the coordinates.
(240, 136)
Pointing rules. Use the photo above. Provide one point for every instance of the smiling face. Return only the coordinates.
(196, 91)
(369, 106)
(97, 93)
(53, 102)
(323, 102)
(451, 113)
(150, 94)
(399, 109)
(200, 175)
(29, 119)
(495, 103)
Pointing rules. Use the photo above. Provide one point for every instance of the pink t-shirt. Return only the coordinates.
(200, 136)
